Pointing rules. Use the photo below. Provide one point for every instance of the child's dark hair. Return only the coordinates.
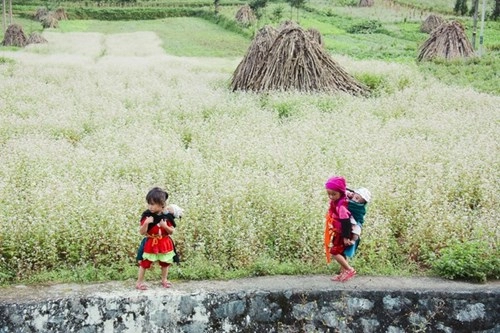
(157, 196)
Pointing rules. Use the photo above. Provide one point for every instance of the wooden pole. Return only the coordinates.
(4, 16)
(481, 36)
(10, 12)
(474, 29)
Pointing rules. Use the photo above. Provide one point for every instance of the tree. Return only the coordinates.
(296, 4)
(496, 11)
(460, 7)
(216, 5)
(257, 6)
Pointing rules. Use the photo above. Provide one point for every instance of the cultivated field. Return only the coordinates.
(90, 122)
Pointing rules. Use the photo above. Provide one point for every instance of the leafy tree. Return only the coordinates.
(52, 4)
(460, 7)
(277, 14)
(496, 11)
(216, 6)
(296, 4)
(257, 6)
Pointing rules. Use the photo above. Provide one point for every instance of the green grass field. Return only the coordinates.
(398, 38)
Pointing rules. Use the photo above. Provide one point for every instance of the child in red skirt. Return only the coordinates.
(159, 246)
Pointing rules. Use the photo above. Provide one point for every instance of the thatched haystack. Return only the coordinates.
(36, 38)
(366, 3)
(40, 13)
(287, 25)
(316, 36)
(15, 36)
(255, 57)
(60, 14)
(431, 22)
(448, 41)
(49, 21)
(296, 62)
(245, 16)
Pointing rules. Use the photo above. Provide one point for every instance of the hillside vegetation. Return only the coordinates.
(104, 111)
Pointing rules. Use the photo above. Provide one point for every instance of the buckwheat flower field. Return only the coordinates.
(90, 122)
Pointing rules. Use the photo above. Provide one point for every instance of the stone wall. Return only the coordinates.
(266, 304)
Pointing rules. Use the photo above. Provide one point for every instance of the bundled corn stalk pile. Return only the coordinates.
(294, 61)
(36, 38)
(14, 36)
(40, 13)
(448, 41)
(245, 15)
(431, 22)
(316, 36)
(50, 19)
(366, 3)
(60, 14)
(255, 57)
(287, 24)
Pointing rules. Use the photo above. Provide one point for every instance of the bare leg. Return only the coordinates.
(347, 271)
(344, 265)
(164, 276)
(142, 273)
(140, 279)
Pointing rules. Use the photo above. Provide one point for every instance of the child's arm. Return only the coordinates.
(346, 228)
(143, 229)
(169, 229)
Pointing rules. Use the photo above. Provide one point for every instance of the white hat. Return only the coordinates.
(364, 193)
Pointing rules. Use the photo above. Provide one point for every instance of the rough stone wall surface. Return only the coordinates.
(265, 304)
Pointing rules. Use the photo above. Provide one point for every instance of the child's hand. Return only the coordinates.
(347, 242)
(163, 224)
(149, 219)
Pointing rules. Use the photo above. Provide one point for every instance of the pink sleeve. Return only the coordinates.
(343, 212)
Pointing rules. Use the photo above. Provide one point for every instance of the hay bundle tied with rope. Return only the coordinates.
(287, 25)
(15, 36)
(431, 22)
(60, 14)
(255, 57)
(49, 21)
(296, 62)
(36, 38)
(40, 13)
(315, 36)
(448, 41)
(366, 3)
(245, 16)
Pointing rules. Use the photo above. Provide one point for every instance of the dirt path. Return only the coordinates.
(22, 293)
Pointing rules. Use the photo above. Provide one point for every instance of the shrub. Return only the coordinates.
(366, 27)
(4, 60)
(376, 83)
(474, 260)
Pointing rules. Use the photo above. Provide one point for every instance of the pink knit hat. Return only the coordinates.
(336, 183)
